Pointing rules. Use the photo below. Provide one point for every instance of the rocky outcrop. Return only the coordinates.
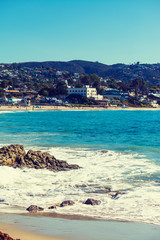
(91, 201)
(34, 208)
(15, 156)
(38, 159)
(5, 236)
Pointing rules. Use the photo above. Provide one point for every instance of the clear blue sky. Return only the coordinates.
(108, 31)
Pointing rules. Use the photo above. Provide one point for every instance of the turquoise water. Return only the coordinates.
(129, 131)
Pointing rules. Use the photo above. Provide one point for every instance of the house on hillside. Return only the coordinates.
(14, 100)
(112, 93)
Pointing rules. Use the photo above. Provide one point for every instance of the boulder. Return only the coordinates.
(5, 236)
(52, 207)
(34, 208)
(67, 203)
(91, 201)
(12, 155)
(15, 156)
(104, 151)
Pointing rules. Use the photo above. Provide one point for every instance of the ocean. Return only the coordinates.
(117, 150)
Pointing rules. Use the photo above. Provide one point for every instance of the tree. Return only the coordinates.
(45, 93)
(29, 85)
(112, 83)
(123, 86)
(61, 88)
(1, 92)
(138, 85)
(4, 84)
(91, 79)
(85, 80)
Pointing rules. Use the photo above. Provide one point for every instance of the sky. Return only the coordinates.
(107, 31)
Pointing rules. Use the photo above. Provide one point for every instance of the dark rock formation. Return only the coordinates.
(5, 236)
(91, 201)
(38, 159)
(104, 151)
(15, 156)
(52, 207)
(11, 155)
(34, 208)
(67, 203)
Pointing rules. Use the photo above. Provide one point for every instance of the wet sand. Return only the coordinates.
(18, 233)
(50, 228)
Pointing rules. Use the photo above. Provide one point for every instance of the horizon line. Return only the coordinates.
(34, 61)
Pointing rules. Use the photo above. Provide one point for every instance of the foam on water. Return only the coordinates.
(134, 176)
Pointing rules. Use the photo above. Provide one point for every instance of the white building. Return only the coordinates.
(86, 91)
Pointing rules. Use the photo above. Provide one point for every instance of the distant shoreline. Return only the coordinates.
(68, 108)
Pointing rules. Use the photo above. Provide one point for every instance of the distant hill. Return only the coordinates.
(147, 72)
(62, 66)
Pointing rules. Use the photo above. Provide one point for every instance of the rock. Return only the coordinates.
(52, 207)
(5, 236)
(116, 195)
(12, 155)
(67, 203)
(80, 185)
(91, 201)
(104, 151)
(34, 208)
(15, 156)
(40, 159)
(101, 191)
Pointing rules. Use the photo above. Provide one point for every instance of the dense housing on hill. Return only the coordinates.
(51, 82)
(148, 72)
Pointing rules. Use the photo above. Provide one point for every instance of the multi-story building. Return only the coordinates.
(86, 91)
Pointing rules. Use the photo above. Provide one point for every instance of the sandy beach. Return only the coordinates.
(18, 233)
(68, 108)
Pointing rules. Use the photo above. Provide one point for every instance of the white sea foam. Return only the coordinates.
(131, 174)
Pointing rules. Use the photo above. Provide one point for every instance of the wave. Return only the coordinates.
(102, 174)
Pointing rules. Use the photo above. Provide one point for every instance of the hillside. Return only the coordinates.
(148, 72)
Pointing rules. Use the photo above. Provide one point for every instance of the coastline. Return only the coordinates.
(67, 108)
(75, 220)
